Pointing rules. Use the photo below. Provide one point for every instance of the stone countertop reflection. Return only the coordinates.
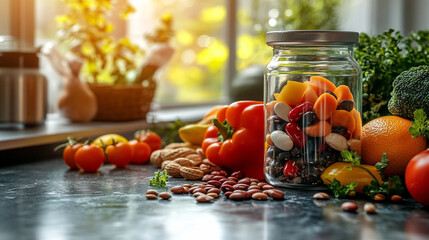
(45, 200)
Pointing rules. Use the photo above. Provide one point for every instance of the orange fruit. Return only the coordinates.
(390, 135)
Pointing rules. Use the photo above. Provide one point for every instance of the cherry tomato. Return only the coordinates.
(417, 177)
(68, 155)
(141, 151)
(151, 138)
(89, 158)
(120, 154)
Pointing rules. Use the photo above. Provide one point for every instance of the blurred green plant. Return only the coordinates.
(282, 15)
(382, 58)
(85, 32)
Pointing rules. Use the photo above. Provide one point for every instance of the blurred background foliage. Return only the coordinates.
(197, 71)
(257, 18)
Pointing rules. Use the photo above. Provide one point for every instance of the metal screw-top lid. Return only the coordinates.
(304, 37)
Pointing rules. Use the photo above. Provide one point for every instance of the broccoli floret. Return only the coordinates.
(410, 92)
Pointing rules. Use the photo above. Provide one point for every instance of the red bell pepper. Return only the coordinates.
(236, 140)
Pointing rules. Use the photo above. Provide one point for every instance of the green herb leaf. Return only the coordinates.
(382, 165)
(160, 179)
(396, 187)
(420, 125)
(342, 191)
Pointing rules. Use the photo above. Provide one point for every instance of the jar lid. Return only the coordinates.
(311, 37)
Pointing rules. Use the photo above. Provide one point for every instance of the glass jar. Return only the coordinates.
(313, 105)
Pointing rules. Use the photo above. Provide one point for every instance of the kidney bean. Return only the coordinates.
(232, 183)
(218, 177)
(241, 186)
(267, 187)
(290, 169)
(214, 190)
(295, 132)
(237, 174)
(238, 196)
(296, 113)
(215, 183)
(226, 188)
(244, 181)
(254, 187)
(276, 194)
(227, 194)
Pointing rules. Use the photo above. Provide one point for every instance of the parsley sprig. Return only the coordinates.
(342, 191)
(420, 125)
(160, 179)
(388, 187)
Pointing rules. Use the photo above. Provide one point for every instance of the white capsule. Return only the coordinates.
(282, 110)
(282, 140)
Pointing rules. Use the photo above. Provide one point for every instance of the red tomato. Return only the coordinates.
(89, 158)
(120, 154)
(141, 151)
(151, 138)
(68, 155)
(417, 177)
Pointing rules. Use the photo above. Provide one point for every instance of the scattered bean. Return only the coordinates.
(177, 190)
(379, 197)
(213, 195)
(253, 191)
(349, 207)
(237, 174)
(244, 181)
(321, 196)
(267, 187)
(150, 196)
(227, 194)
(204, 199)
(165, 195)
(226, 188)
(207, 177)
(214, 190)
(369, 208)
(201, 190)
(153, 192)
(259, 196)
(254, 187)
(198, 194)
(396, 198)
(276, 194)
(219, 177)
(238, 196)
(241, 186)
(215, 183)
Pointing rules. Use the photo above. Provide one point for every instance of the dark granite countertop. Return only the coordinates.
(45, 200)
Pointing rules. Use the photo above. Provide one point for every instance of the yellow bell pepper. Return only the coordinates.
(292, 93)
(358, 175)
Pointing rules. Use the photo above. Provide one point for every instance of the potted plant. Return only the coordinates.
(118, 72)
